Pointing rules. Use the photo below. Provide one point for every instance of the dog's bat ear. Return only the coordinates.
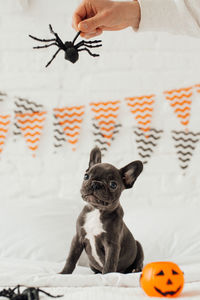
(130, 172)
(95, 157)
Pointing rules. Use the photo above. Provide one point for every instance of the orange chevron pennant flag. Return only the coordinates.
(4, 124)
(31, 125)
(197, 87)
(180, 100)
(105, 123)
(142, 109)
(70, 118)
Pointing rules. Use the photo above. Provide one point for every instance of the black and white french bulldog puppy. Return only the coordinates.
(100, 228)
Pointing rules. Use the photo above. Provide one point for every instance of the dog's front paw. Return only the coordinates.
(137, 270)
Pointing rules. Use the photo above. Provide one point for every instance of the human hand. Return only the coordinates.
(92, 17)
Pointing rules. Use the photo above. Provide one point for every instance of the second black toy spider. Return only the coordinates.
(30, 293)
(71, 50)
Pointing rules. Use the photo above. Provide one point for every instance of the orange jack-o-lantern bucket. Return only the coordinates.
(162, 279)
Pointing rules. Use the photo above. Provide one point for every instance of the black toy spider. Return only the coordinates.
(71, 50)
(30, 293)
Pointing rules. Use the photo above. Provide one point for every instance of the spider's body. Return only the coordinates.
(70, 48)
(71, 53)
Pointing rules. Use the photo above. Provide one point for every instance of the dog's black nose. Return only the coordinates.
(95, 185)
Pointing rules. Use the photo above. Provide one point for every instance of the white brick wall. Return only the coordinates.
(130, 64)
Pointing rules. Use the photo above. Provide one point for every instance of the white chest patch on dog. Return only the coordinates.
(93, 227)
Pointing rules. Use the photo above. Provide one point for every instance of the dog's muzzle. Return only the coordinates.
(96, 185)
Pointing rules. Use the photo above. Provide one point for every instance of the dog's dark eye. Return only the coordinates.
(86, 176)
(113, 185)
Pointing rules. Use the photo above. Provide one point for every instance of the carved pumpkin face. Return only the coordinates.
(162, 279)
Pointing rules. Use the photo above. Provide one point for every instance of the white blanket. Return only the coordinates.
(83, 284)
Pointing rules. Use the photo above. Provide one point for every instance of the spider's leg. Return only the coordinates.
(17, 287)
(88, 46)
(93, 42)
(58, 39)
(45, 46)
(49, 294)
(79, 44)
(85, 49)
(93, 46)
(76, 37)
(53, 58)
(41, 40)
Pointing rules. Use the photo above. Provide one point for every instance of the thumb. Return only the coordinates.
(91, 24)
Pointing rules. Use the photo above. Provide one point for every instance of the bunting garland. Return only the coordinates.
(68, 125)
(180, 101)
(31, 126)
(29, 121)
(4, 124)
(185, 143)
(146, 145)
(142, 109)
(23, 106)
(105, 125)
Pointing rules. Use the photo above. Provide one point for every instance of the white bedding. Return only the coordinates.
(83, 283)
(191, 291)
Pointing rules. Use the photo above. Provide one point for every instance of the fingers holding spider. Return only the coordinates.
(89, 35)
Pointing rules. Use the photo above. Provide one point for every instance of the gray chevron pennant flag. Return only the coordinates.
(2, 96)
(185, 143)
(146, 144)
(59, 134)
